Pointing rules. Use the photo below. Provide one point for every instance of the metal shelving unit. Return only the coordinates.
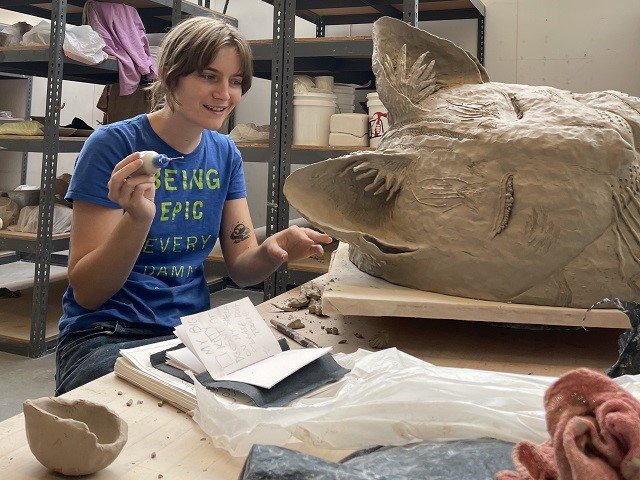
(50, 62)
(348, 59)
(156, 15)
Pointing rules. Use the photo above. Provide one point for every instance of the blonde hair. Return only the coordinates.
(190, 47)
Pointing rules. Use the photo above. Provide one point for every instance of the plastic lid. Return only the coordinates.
(160, 160)
(325, 94)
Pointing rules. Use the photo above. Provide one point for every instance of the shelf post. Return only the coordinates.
(320, 28)
(481, 39)
(27, 114)
(176, 12)
(281, 132)
(37, 346)
(410, 12)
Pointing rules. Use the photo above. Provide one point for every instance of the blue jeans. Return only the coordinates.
(84, 355)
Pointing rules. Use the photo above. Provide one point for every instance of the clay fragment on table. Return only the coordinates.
(315, 307)
(309, 295)
(296, 324)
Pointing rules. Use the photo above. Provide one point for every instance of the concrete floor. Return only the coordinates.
(23, 377)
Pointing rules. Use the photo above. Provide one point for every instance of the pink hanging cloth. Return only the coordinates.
(122, 30)
(594, 429)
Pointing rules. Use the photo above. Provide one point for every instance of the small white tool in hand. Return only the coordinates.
(152, 162)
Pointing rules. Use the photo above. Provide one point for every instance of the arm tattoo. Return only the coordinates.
(240, 233)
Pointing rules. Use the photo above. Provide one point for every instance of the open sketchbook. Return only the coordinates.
(233, 343)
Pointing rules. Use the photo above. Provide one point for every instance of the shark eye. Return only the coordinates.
(505, 206)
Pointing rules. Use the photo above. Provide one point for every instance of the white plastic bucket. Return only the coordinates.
(311, 116)
(378, 119)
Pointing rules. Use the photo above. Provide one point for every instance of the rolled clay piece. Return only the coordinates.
(73, 437)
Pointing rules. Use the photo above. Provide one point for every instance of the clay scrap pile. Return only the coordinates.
(310, 297)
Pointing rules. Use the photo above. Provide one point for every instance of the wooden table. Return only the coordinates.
(182, 450)
(540, 350)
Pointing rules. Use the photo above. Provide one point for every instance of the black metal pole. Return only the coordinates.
(481, 39)
(176, 12)
(410, 12)
(37, 344)
(281, 133)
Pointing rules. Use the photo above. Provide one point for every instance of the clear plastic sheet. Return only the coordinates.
(81, 42)
(28, 219)
(9, 211)
(389, 398)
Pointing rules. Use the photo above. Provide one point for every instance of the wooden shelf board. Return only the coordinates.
(423, 6)
(315, 40)
(455, 343)
(353, 292)
(138, 4)
(35, 48)
(251, 145)
(15, 314)
(330, 148)
(20, 275)
(323, 12)
(302, 147)
(41, 138)
(316, 265)
(31, 237)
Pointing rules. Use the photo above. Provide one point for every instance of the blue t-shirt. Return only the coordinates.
(167, 280)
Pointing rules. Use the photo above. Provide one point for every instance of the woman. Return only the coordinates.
(138, 242)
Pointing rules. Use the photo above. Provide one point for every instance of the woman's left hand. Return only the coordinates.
(295, 243)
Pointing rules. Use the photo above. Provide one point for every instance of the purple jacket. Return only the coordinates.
(122, 30)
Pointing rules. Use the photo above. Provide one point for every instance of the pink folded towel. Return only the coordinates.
(594, 429)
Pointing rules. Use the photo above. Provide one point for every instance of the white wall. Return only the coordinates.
(581, 45)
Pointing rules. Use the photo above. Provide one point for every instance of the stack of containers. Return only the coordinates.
(312, 112)
(345, 97)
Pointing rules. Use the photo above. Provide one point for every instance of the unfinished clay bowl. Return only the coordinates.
(73, 437)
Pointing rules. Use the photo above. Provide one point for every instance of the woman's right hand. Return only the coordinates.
(135, 194)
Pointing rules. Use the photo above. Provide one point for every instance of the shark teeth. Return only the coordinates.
(388, 182)
(418, 83)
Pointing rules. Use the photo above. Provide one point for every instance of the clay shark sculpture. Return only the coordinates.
(485, 190)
